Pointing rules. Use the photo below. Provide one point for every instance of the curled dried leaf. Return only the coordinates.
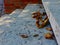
(36, 35)
(48, 36)
(38, 17)
(24, 36)
(49, 28)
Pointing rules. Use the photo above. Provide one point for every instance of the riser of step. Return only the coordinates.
(52, 9)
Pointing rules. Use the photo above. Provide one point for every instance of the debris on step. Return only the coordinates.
(48, 36)
(49, 28)
(24, 36)
(40, 23)
(36, 35)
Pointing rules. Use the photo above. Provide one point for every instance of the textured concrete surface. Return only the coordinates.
(13, 25)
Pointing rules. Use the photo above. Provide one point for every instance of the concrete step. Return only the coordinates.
(23, 24)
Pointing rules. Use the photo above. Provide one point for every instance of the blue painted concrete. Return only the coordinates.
(23, 24)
